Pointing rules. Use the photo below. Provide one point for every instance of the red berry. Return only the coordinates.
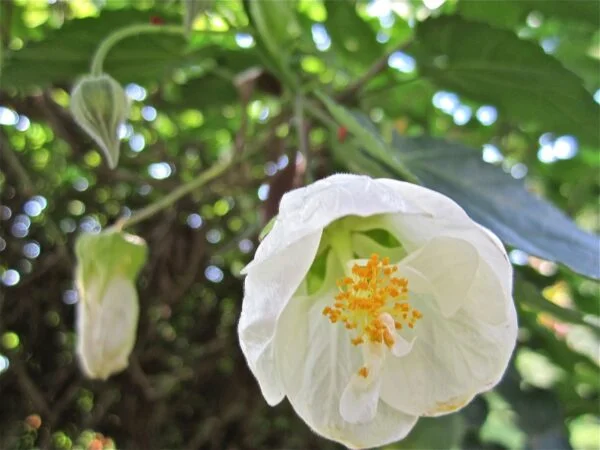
(157, 20)
(341, 134)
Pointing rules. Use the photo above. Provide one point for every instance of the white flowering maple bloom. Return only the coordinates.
(107, 312)
(372, 302)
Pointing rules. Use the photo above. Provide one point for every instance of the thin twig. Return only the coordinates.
(30, 390)
(205, 177)
(23, 180)
(139, 377)
(378, 66)
(28, 189)
(166, 201)
(302, 137)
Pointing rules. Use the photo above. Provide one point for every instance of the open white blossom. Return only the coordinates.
(371, 303)
(107, 312)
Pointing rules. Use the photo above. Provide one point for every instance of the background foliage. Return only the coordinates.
(493, 103)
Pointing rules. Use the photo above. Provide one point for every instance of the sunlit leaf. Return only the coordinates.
(513, 74)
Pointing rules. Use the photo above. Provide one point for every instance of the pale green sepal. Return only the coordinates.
(99, 105)
(108, 311)
(267, 228)
(109, 253)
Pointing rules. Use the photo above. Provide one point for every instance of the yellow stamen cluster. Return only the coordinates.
(370, 295)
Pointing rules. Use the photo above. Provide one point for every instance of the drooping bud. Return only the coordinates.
(107, 313)
(193, 8)
(99, 105)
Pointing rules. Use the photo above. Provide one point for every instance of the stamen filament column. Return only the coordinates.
(373, 304)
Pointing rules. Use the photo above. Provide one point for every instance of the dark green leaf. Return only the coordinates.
(66, 53)
(539, 413)
(495, 66)
(509, 14)
(440, 432)
(366, 133)
(499, 202)
(496, 12)
(409, 98)
(350, 35)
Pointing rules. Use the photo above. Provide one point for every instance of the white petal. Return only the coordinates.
(316, 361)
(107, 328)
(430, 202)
(359, 400)
(268, 287)
(402, 347)
(311, 208)
(452, 360)
(488, 300)
(444, 266)
(414, 231)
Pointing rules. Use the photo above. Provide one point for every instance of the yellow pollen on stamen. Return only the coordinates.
(365, 298)
(363, 372)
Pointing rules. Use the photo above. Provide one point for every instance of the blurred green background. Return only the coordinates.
(515, 84)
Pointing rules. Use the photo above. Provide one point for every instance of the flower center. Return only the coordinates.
(373, 303)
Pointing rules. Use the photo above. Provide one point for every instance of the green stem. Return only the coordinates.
(111, 40)
(321, 116)
(202, 179)
(166, 201)
(302, 137)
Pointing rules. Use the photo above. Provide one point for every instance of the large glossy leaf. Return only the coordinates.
(410, 98)
(490, 196)
(358, 46)
(509, 14)
(500, 202)
(66, 53)
(495, 66)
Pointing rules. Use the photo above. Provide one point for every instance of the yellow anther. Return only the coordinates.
(363, 372)
(373, 302)
(358, 340)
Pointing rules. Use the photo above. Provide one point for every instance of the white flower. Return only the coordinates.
(371, 303)
(108, 310)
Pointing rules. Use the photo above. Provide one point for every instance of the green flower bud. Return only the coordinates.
(107, 313)
(99, 104)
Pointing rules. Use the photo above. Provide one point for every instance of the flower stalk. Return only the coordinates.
(113, 39)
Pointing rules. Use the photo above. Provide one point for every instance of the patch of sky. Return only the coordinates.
(149, 113)
(487, 115)
(137, 143)
(135, 92)
(446, 101)
(491, 154)
(244, 40)
(320, 37)
(402, 62)
(159, 171)
(462, 114)
(8, 116)
(263, 192)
